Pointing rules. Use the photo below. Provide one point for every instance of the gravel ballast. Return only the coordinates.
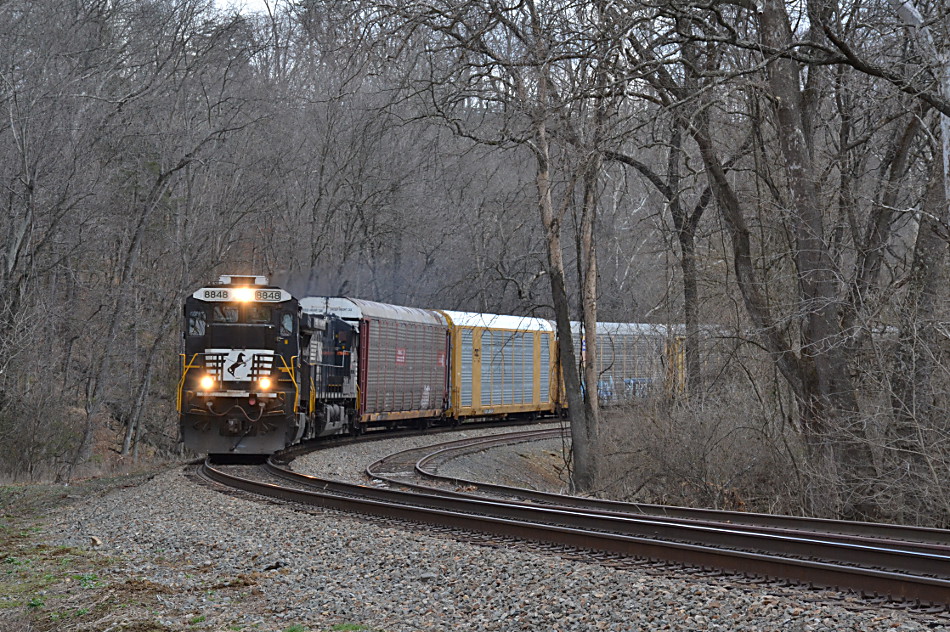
(204, 560)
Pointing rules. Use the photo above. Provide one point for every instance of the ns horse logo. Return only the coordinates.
(238, 363)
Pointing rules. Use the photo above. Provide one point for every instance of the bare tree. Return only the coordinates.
(502, 72)
(686, 68)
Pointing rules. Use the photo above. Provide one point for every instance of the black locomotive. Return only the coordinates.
(251, 374)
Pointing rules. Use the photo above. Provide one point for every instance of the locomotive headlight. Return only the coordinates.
(244, 294)
(207, 382)
(264, 383)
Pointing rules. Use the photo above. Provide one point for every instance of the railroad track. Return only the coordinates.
(905, 564)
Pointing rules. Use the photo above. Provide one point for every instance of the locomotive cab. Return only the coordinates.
(240, 385)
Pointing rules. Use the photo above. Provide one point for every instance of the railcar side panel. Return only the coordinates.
(500, 364)
(547, 359)
(632, 359)
(403, 369)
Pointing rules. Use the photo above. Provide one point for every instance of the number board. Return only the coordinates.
(228, 294)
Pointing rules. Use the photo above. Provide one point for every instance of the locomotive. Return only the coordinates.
(239, 388)
(262, 370)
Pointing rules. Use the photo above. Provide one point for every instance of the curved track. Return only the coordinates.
(901, 563)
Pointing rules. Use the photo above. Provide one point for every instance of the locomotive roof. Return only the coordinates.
(356, 308)
(498, 321)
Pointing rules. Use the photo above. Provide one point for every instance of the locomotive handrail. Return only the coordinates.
(293, 377)
(185, 367)
(312, 403)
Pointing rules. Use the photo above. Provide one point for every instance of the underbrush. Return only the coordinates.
(722, 457)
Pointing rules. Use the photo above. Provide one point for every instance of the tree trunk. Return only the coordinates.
(587, 254)
(132, 431)
(685, 226)
(584, 473)
(828, 401)
(694, 371)
(588, 258)
(878, 229)
(912, 395)
(137, 440)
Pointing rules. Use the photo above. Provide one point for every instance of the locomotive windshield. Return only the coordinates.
(196, 322)
(251, 313)
(225, 314)
(246, 314)
(258, 314)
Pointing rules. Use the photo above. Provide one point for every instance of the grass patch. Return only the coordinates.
(87, 580)
(45, 587)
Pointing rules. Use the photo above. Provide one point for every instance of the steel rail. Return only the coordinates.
(884, 555)
(379, 434)
(636, 537)
(935, 540)
(714, 519)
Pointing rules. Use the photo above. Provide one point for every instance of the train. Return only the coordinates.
(262, 369)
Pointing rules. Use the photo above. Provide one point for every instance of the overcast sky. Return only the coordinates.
(246, 6)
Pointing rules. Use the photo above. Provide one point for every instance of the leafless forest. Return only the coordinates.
(772, 176)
